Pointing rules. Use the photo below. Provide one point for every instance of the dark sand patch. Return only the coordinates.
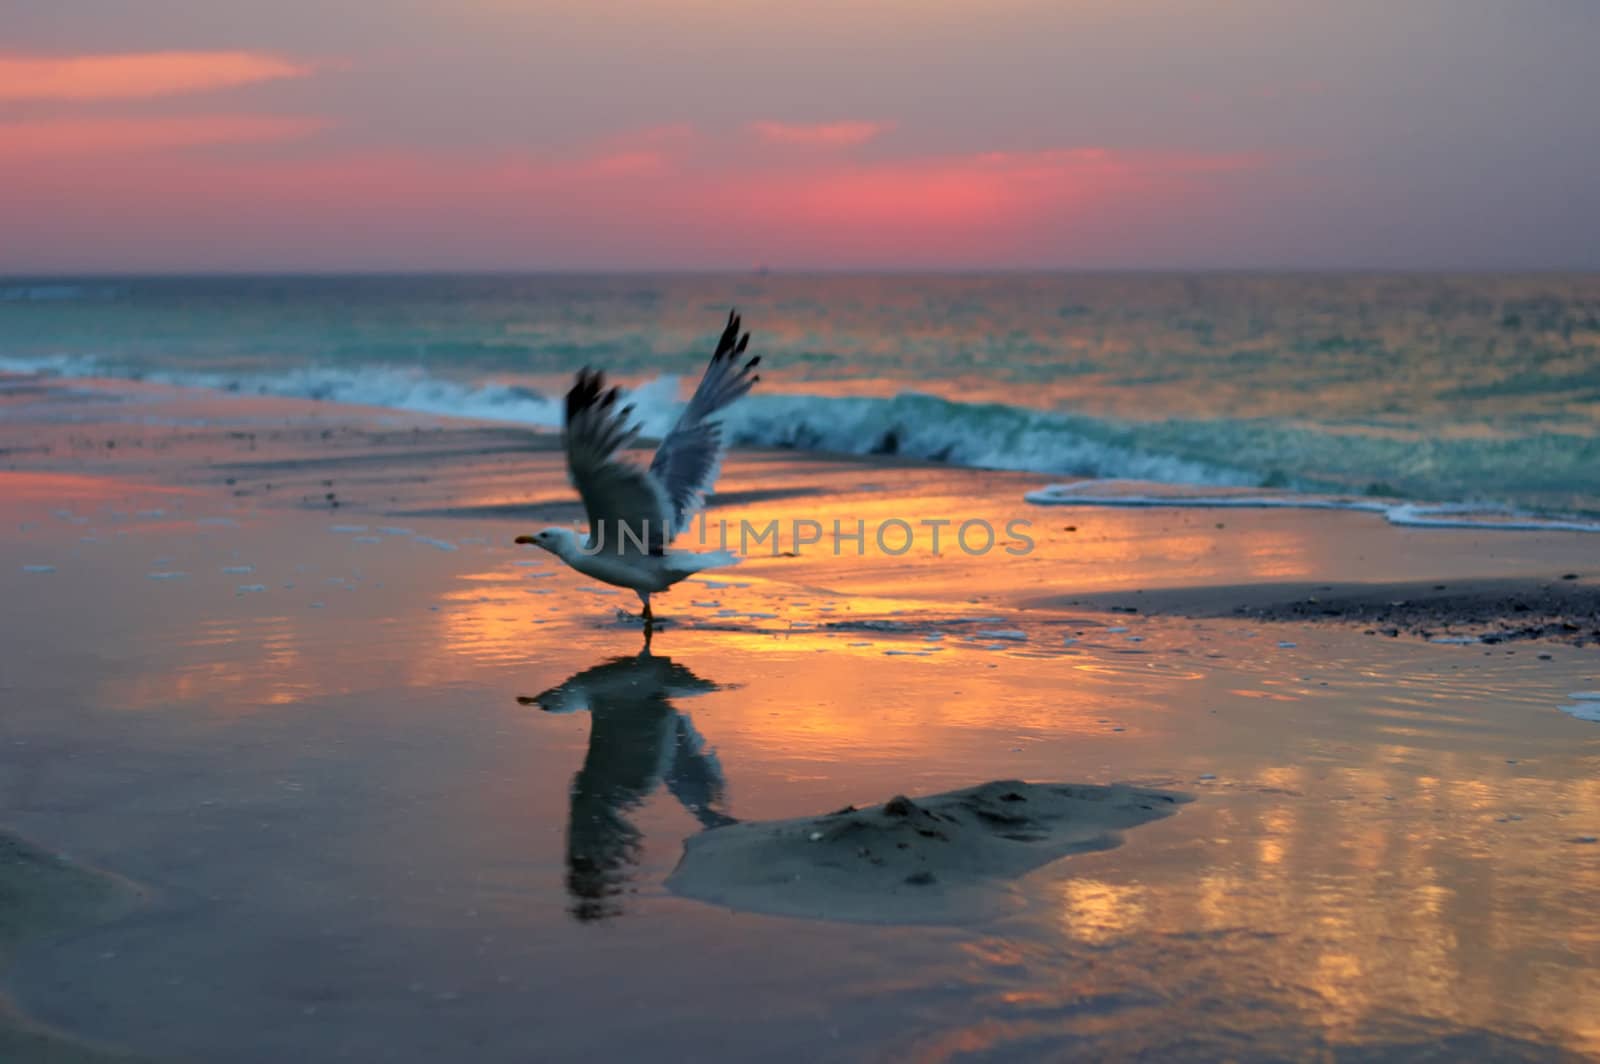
(402, 449)
(20, 388)
(1564, 608)
(41, 895)
(948, 858)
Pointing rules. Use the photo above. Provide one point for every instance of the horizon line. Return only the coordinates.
(229, 273)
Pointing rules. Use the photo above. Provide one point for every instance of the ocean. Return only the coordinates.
(1452, 389)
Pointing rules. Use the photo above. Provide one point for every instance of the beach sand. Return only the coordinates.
(1486, 610)
(394, 788)
(945, 858)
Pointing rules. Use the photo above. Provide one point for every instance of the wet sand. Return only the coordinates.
(1562, 608)
(397, 789)
(44, 895)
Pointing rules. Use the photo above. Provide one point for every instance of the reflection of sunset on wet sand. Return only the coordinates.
(300, 709)
(1354, 854)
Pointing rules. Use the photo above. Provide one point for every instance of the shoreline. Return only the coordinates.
(345, 460)
(888, 437)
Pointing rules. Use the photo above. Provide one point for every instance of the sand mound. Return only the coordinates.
(947, 858)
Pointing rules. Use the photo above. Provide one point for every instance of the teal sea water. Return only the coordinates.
(1433, 388)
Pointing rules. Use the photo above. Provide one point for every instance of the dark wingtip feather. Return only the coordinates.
(730, 333)
(587, 392)
(575, 394)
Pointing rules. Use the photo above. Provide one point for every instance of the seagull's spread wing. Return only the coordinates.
(630, 505)
(687, 460)
(619, 497)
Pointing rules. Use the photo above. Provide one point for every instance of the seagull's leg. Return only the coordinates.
(649, 618)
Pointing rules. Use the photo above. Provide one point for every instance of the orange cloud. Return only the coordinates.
(818, 135)
(78, 137)
(136, 75)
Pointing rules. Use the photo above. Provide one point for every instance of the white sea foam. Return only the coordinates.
(1585, 705)
(1142, 494)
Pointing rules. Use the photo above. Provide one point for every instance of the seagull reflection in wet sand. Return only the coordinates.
(637, 739)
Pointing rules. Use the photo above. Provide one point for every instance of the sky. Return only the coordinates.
(330, 135)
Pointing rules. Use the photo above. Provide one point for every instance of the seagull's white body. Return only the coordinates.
(643, 573)
(635, 513)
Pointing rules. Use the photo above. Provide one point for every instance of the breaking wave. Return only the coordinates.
(1521, 477)
(987, 436)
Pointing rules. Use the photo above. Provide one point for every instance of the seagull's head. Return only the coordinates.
(558, 541)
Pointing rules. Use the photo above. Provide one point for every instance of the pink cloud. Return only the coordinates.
(80, 137)
(818, 135)
(653, 152)
(963, 191)
(664, 197)
(624, 164)
(136, 75)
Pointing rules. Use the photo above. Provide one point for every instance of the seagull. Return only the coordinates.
(635, 513)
